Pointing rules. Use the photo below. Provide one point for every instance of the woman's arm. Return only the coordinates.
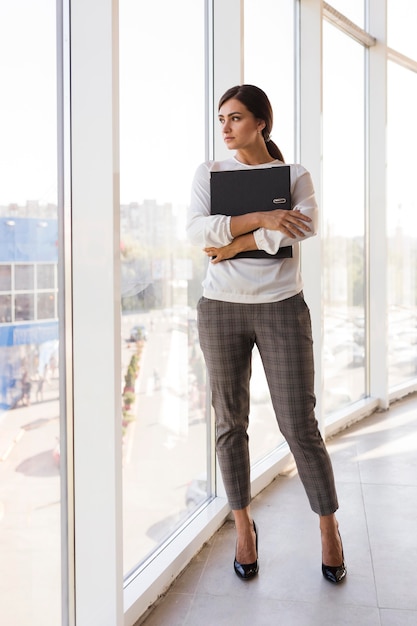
(304, 204)
(272, 229)
(204, 229)
(243, 243)
(291, 223)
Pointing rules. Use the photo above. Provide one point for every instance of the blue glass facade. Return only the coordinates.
(28, 324)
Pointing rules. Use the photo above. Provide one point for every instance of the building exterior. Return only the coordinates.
(28, 302)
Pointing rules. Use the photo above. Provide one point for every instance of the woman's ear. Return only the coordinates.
(261, 125)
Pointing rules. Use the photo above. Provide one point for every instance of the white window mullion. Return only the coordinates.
(378, 267)
(96, 313)
(227, 44)
(310, 152)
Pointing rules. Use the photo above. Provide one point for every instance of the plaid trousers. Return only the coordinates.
(282, 332)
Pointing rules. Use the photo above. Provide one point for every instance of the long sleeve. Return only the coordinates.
(247, 280)
(302, 198)
(204, 229)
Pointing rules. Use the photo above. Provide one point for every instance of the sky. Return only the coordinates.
(28, 101)
(162, 92)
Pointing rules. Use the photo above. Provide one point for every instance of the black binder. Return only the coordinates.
(236, 192)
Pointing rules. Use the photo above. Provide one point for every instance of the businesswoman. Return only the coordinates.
(248, 301)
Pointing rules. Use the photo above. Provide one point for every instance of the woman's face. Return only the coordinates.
(240, 128)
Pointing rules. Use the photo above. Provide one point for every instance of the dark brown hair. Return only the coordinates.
(257, 102)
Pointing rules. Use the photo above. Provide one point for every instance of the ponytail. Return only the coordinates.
(273, 150)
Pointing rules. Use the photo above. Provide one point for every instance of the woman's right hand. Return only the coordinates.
(291, 223)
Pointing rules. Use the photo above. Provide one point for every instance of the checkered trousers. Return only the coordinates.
(282, 332)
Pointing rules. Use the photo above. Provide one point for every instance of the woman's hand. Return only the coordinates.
(292, 223)
(221, 254)
(239, 244)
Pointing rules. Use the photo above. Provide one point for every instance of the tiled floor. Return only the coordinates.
(375, 464)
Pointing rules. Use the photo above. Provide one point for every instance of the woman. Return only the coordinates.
(249, 301)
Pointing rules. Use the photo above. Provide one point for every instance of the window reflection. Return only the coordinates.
(30, 528)
(29, 290)
(5, 309)
(45, 306)
(343, 220)
(45, 276)
(402, 226)
(165, 418)
(24, 276)
(5, 277)
(24, 307)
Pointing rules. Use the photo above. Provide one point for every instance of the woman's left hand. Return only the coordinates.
(221, 254)
(239, 244)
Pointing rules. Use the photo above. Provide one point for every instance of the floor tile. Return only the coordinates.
(172, 610)
(375, 466)
(392, 617)
(392, 522)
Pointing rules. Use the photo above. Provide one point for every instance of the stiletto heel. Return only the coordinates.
(335, 574)
(246, 571)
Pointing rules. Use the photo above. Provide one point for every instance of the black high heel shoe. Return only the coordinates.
(246, 571)
(335, 574)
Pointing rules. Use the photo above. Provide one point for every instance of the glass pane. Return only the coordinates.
(354, 10)
(30, 528)
(343, 209)
(24, 277)
(5, 277)
(162, 127)
(274, 40)
(401, 21)
(46, 306)
(402, 225)
(5, 309)
(24, 308)
(45, 276)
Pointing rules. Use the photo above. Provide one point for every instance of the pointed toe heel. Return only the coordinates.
(335, 574)
(245, 571)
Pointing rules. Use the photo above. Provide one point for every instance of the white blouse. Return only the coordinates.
(249, 280)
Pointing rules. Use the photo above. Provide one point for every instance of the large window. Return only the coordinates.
(28, 291)
(343, 220)
(402, 225)
(166, 473)
(402, 18)
(30, 528)
(269, 64)
(165, 467)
